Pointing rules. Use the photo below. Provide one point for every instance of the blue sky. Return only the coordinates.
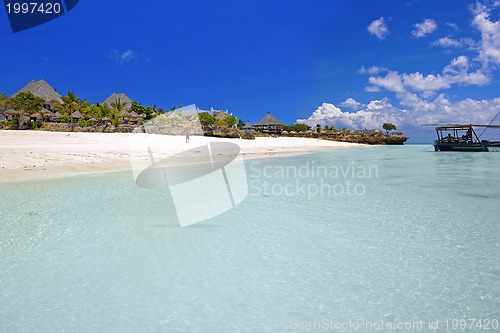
(354, 64)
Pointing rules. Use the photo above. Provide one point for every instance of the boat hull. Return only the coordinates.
(494, 146)
(470, 147)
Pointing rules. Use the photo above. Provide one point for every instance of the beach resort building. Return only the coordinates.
(248, 128)
(269, 125)
(126, 105)
(124, 99)
(45, 91)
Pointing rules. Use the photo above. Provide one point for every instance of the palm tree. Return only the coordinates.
(119, 107)
(71, 103)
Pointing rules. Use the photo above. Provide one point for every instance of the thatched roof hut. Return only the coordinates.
(134, 114)
(269, 124)
(77, 115)
(46, 114)
(41, 89)
(36, 115)
(248, 127)
(11, 112)
(123, 99)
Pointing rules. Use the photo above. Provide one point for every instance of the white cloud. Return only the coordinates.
(447, 42)
(123, 58)
(417, 112)
(453, 26)
(425, 28)
(489, 52)
(372, 89)
(392, 82)
(378, 28)
(457, 72)
(352, 104)
(442, 110)
(372, 70)
(377, 113)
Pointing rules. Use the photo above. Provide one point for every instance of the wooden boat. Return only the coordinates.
(461, 137)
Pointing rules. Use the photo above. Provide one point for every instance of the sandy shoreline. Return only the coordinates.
(29, 155)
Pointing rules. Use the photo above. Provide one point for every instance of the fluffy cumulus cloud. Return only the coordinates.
(391, 82)
(442, 110)
(425, 28)
(351, 103)
(489, 52)
(457, 72)
(372, 117)
(417, 112)
(123, 58)
(378, 28)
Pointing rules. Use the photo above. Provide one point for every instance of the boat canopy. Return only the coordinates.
(458, 126)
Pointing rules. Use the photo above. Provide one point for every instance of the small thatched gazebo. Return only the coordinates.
(248, 128)
(46, 114)
(10, 114)
(77, 115)
(36, 116)
(134, 117)
(269, 124)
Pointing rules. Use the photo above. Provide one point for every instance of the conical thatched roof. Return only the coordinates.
(77, 115)
(248, 125)
(41, 89)
(122, 97)
(134, 114)
(10, 112)
(269, 120)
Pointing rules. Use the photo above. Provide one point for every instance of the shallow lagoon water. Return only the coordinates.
(98, 254)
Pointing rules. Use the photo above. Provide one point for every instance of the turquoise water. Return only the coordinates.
(415, 240)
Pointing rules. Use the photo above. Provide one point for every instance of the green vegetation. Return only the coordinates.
(230, 120)
(206, 119)
(71, 103)
(63, 119)
(25, 103)
(297, 128)
(84, 123)
(240, 124)
(149, 112)
(102, 113)
(389, 127)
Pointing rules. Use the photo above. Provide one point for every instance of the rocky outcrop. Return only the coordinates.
(248, 136)
(356, 136)
(222, 132)
(64, 127)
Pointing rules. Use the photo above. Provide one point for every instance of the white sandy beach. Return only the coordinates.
(27, 155)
